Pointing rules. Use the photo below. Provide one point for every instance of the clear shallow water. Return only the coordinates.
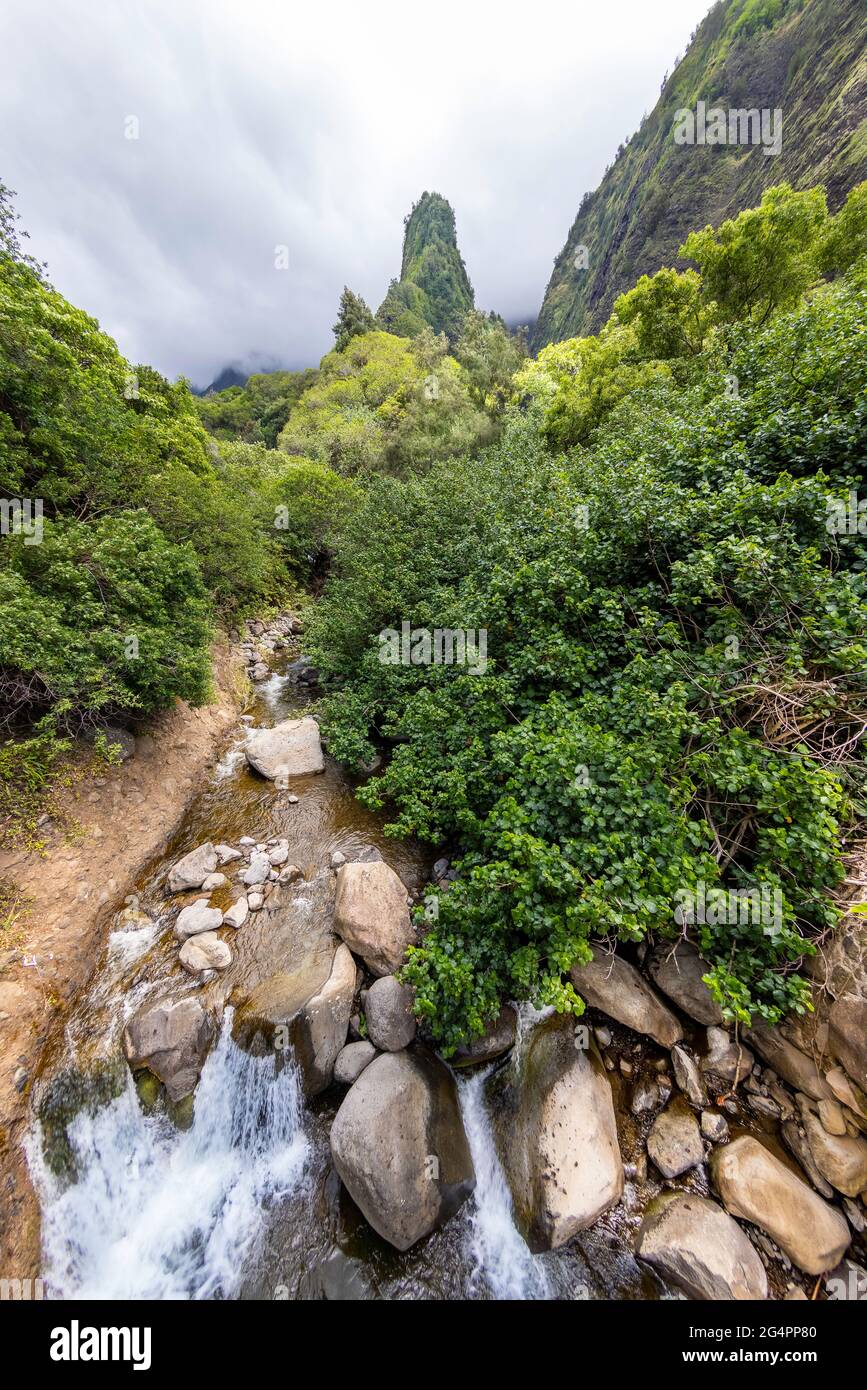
(244, 1203)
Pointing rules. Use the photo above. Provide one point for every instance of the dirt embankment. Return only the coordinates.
(72, 889)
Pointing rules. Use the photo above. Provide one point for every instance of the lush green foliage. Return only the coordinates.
(353, 319)
(256, 412)
(387, 404)
(676, 669)
(433, 288)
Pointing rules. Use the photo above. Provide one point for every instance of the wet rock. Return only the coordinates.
(559, 1138)
(688, 1077)
(305, 1010)
(371, 915)
(388, 1010)
(259, 672)
(399, 1146)
(714, 1126)
(193, 869)
(338, 859)
(674, 1142)
(677, 970)
(278, 855)
(289, 874)
(841, 1160)
(847, 1036)
(645, 1098)
(755, 1186)
(205, 952)
(616, 987)
(796, 1142)
(764, 1107)
(226, 854)
(787, 1061)
(255, 901)
(258, 870)
(497, 1040)
(214, 881)
(693, 1243)
(440, 869)
(198, 917)
(291, 749)
(351, 1061)
(236, 915)
(726, 1063)
(171, 1039)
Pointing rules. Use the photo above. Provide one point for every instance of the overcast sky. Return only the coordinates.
(313, 127)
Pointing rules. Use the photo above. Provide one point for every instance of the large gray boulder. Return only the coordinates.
(616, 987)
(291, 749)
(558, 1138)
(677, 969)
(757, 1187)
(696, 1245)
(399, 1146)
(171, 1039)
(388, 1012)
(193, 869)
(674, 1142)
(372, 916)
(788, 1061)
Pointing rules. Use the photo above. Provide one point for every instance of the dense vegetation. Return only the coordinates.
(805, 57)
(257, 411)
(676, 663)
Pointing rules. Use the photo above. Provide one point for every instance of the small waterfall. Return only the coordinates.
(502, 1262)
(167, 1215)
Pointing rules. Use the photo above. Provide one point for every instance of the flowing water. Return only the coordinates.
(239, 1198)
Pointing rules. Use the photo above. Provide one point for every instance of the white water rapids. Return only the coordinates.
(161, 1214)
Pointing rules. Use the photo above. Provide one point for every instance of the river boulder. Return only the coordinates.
(757, 1187)
(388, 1012)
(609, 983)
(352, 1060)
(304, 1012)
(498, 1038)
(674, 1142)
(372, 916)
(677, 969)
(292, 748)
(696, 1245)
(198, 917)
(788, 1061)
(558, 1137)
(171, 1039)
(205, 952)
(193, 869)
(841, 1159)
(399, 1146)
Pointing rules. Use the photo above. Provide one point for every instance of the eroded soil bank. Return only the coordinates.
(72, 888)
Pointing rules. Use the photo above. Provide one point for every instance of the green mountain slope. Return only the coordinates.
(433, 287)
(806, 57)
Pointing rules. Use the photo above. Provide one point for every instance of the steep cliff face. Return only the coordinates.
(433, 287)
(802, 62)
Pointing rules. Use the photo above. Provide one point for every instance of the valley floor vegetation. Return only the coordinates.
(646, 523)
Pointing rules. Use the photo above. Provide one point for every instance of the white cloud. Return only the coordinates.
(313, 127)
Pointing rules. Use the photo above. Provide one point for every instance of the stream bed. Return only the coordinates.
(239, 1199)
